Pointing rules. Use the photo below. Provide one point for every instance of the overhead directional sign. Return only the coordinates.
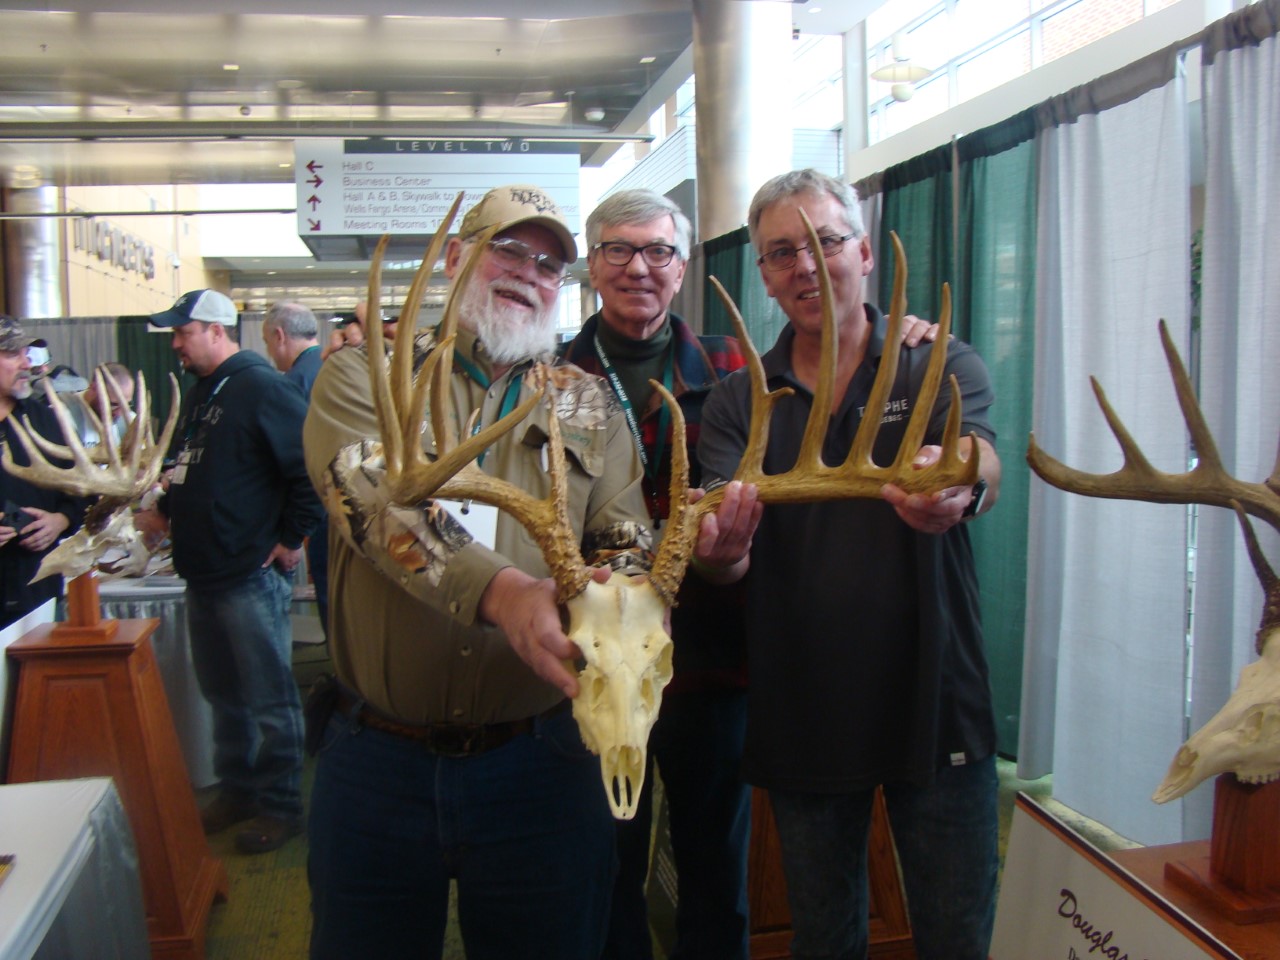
(364, 188)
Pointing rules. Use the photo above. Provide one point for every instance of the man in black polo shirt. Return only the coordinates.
(864, 643)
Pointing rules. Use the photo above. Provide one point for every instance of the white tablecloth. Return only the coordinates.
(163, 599)
(74, 890)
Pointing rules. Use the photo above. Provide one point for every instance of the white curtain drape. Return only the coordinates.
(1106, 581)
(1240, 336)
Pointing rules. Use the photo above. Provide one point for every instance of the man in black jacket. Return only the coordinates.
(240, 503)
(34, 518)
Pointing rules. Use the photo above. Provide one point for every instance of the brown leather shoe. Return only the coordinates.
(265, 833)
(226, 812)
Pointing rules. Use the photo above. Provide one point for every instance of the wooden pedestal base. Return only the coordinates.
(1240, 878)
(90, 703)
(888, 931)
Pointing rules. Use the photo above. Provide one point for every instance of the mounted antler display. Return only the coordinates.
(619, 625)
(117, 473)
(1244, 737)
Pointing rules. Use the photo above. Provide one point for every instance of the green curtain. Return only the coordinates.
(995, 307)
(988, 257)
(152, 355)
(731, 259)
(917, 206)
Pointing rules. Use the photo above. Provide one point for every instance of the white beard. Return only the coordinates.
(505, 328)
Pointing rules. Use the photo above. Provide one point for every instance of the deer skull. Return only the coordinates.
(1243, 738)
(114, 550)
(618, 626)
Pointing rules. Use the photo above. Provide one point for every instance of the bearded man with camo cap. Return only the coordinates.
(448, 751)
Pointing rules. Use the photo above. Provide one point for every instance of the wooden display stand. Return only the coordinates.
(888, 929)
(1240, 875)
(90, 703)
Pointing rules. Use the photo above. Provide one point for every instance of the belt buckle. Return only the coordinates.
(455, 740)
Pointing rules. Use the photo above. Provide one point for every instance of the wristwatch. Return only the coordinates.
(975, 503)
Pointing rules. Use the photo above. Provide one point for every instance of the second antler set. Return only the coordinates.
(117, 473)
(618, 625)
(1244, 737)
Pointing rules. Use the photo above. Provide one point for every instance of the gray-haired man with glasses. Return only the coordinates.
(639, 245)
(863, 634)
(450, 753)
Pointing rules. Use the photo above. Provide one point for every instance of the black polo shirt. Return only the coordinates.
(866, 661)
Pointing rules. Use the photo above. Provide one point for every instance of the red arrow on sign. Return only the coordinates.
(313, 166)
(313, 200)
(315, 224)
(315, 181)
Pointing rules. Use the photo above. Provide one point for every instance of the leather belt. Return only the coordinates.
(446, 739)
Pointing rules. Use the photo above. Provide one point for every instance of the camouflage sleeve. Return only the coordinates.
(617, 532)
(412, 546)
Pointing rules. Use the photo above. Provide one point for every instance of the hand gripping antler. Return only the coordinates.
(811, 478)
(400, 398)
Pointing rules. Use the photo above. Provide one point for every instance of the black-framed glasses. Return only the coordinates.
(512, 254)
(784, 258)
(619, 253)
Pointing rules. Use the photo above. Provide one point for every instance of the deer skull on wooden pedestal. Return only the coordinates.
(620, 626)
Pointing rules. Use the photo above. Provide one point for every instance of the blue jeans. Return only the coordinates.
(697, 743)
(946, 840)
(242, 649)
(523, 829)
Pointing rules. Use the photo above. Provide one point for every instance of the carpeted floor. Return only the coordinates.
(267, 914)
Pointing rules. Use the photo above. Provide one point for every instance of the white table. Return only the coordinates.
(74, 890)
(163, 597)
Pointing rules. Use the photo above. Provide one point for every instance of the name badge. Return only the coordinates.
(480, 519)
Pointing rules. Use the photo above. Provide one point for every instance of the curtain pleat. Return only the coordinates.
(1239, 337)
(731, 259)
(995, 312)
(1107, 579)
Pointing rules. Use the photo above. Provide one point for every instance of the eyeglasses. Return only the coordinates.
(784, 258)
(512, 254)
(619, 253)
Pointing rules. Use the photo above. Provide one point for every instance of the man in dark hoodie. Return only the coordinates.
(240, 503)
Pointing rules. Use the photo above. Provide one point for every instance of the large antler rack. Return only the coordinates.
(1206, 483)
(401, 398)
(811, 478)
(117, 473)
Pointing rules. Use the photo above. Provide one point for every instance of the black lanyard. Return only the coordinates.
(664, 418)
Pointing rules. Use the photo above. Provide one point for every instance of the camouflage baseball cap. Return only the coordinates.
(12, 338)
(505, 207)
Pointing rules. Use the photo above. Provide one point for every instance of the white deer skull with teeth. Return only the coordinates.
(618, 628)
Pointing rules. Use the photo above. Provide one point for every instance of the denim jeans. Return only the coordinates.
(697, 743)
(524, 830)
(946, 840)
(242, 649)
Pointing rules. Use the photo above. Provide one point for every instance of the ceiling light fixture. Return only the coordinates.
(231, 66)
(902, 73)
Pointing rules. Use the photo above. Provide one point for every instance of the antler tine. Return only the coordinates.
(1266, 576)
(411, 413)
(1207, 483)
